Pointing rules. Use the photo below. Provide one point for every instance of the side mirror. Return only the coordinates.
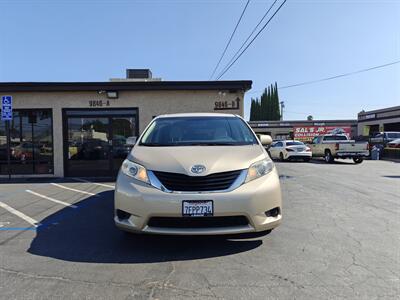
(265, 139)
(131, 141)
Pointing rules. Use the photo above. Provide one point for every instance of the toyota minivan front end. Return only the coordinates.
(198, 174)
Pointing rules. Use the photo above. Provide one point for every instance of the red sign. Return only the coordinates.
(307, 133)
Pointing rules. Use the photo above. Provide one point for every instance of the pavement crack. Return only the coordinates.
(64, 279)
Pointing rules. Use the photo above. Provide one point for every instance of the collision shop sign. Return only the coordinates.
(307, 133)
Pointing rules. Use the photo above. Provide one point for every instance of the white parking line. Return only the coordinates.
(20, 214)
(71, 189)
(51, 199)
(96, 183)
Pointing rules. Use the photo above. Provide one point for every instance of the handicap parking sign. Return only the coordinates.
(6, 108)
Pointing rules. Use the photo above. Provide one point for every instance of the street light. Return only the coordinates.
(282, 103)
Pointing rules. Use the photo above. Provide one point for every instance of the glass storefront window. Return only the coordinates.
(31, 137)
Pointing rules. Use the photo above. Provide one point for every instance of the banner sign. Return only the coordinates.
(307, 133)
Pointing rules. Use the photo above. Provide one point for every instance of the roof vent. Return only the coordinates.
(138, 74)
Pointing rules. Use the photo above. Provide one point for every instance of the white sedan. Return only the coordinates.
(287, 150)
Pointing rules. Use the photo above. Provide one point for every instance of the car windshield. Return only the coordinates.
(201, 131)
(294, 144)
(393, 135)
(335, 138)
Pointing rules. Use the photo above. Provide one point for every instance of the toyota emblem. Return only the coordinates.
(198, 169)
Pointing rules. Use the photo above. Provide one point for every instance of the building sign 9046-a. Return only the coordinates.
(99, 103)
(225, 104)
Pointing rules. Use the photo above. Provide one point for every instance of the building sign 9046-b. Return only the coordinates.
(99, 103)
(225, 104)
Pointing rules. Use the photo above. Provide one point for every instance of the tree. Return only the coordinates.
(252, 109)
(310, 118)
(267, 107)
(277, 112)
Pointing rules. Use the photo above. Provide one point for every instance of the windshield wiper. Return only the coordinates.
(195, 144)
(214, 144)
(156, 144)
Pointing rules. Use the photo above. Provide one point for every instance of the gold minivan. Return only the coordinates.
(196, 174)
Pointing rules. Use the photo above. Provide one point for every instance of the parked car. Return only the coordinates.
(198, 174)
(394, 144)
(93, 149)
(25, 151)
(338, 146)
(289, 150)
(384, 137)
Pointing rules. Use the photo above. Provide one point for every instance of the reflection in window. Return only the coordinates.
(31, 148)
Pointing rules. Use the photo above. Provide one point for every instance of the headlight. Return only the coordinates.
(135, 170)
(259, 169)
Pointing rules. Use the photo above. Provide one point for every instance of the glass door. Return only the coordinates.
(122, 128)
(88, 152)
(95, 140)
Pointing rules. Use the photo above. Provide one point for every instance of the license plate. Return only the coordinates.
(197, 208)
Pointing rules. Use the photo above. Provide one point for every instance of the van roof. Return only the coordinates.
(182, 115)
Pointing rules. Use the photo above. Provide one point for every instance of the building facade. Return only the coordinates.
(80, 129)
(380, 120)
(304, 130)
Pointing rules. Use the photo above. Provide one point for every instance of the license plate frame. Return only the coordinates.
(205, 208)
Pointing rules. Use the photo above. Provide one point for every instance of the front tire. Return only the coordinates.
(328, 157)
(358, 160)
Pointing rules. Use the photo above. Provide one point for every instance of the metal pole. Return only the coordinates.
(282, 103)
(8, 148)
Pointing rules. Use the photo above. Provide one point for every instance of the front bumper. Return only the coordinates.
(251, 200)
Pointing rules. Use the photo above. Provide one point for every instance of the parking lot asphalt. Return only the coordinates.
(339, 239)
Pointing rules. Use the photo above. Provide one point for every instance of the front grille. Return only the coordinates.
(185, 183)
(197, 222)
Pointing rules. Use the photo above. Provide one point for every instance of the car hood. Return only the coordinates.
(181, 159)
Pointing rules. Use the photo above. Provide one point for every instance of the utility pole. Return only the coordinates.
(282, 103)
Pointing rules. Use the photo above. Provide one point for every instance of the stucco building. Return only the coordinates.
(80, 128)
(375, 121)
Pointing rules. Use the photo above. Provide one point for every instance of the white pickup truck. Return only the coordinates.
(331, 146)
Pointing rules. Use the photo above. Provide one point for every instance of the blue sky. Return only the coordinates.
(60, 40)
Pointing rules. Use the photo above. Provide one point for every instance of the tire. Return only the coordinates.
(328, 157)
(281, 157)
(307, 159)
(358, 160)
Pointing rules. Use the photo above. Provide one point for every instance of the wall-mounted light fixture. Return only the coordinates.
(112, 94)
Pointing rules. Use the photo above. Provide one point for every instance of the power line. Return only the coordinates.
(248, 45)
(230, 39)
(340, 75)
(250, 35)
(336, 76)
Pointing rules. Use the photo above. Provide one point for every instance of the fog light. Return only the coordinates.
(273, 212)
(123, 215)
